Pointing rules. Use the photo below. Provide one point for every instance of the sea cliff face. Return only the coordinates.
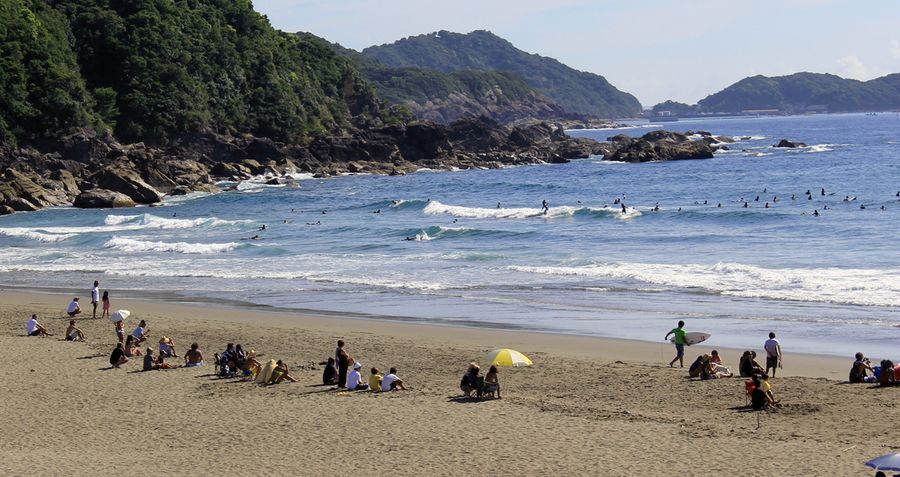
(92, 169)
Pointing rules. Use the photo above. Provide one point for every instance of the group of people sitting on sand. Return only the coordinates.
(473, 384)
(338, 372)
(886, 374)
(758, 387)
(709, 366)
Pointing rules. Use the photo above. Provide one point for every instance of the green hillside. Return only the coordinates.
(575, 91)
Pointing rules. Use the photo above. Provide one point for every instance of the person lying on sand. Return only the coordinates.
(281, 373)
(354, 379)
(74, 308)
(193, 357)
(167, 347)
(392, 382)
(73, 333)
(34, 328)
(131, 348)
(118, 358)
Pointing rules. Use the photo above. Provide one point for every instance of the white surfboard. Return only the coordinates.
(693, 337)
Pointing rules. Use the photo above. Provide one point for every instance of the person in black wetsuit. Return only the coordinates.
(545, 206)
(343, 362)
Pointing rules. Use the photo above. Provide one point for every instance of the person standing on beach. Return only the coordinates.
(679, 344)
(773, 354)
(343, 362)
(105, 299)
(95, 296)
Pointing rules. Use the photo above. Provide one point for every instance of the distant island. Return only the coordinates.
(799, 93)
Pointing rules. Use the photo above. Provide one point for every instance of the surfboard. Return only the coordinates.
(266, 373)
(693, 337)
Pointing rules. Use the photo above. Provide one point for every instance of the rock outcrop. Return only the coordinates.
(96, 171)
(102, 199)
(789, 144)
(661, 146)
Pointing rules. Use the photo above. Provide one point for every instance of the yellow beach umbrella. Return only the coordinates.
(508, 357)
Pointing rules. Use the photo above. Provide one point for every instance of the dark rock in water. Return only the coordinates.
(128, 182)
(102, 199)
(21, 205)
(789, 144)
(658, 146)
(6, 210)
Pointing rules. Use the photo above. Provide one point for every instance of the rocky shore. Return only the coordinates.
(92, 169)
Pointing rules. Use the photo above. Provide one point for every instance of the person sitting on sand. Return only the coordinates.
(767, 388)
(714, 357)
(748, 365)
(161, 362)
(73, 333)
(758, 399)
(715, 369)
(280, 373)
(149, 361)
(859, 368)
(141, 332)
(375, 379)
(491, 381)
(251, 366)
(74, 308)
(118, 358)
(469, 382)
(226, 359)
(240, 357)
(354, 379)
(193, 357)
(167, 347)
(120, 330)
(34, 328)
(329, 375)
(697, 367)
(391, 381)
(131, 348)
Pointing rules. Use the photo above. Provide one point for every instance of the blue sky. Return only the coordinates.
(654, 49)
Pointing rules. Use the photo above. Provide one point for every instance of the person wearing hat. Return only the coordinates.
(167, 347)
(74, 308)
(354, 379)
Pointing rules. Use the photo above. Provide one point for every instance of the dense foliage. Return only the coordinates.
(159, 69)
(576, 91)
(803, 92)
(675, 108)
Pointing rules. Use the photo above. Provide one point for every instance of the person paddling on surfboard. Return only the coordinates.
(679, 344)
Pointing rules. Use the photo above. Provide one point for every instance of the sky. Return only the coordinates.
(654, 49)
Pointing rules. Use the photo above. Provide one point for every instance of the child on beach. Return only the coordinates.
(118, 358)
(859, 368)
(105, 305)
(679, 344)
(375, 379)
(131, 348)
(491, 382)
(354, 379)
(120, 330)
(329, 375)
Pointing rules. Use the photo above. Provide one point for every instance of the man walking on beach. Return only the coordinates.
(679, 344)
(95, 296)
(773, 354)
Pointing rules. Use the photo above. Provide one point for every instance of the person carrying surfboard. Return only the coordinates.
(679, 344)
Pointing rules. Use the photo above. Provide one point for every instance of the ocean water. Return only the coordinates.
(483, 254)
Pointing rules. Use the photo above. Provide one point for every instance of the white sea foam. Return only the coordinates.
(41, 235)
(153, 221)
(437, 208)
(835, 285)
(139, 246)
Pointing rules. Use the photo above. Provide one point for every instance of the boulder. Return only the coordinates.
(789, 144)
(128, 182)
(6, 210)
(21, 205)
(102, 199)
(658, 146)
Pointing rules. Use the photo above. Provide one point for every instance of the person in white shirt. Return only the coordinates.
(95, 296)
(141, 332)
(391, 382)
(354, 379)
(774, 358)
(33, 328)
(74, 308)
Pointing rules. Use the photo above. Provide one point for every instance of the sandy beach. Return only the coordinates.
(589, 406)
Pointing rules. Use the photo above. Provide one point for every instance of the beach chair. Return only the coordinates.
(216, 363)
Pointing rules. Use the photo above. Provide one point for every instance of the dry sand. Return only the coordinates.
(589, 406)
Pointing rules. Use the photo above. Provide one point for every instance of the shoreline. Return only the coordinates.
(434, 334)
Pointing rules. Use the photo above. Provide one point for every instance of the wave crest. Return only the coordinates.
(138, 246)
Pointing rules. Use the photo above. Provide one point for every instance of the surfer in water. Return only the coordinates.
(545, 206)
(262, 227)
(498, 204)
(679, 344)
(624, 210)
(816, 213)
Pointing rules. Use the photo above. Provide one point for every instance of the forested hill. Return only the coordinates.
(576, 91)
(159, 69)
(802, 92)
